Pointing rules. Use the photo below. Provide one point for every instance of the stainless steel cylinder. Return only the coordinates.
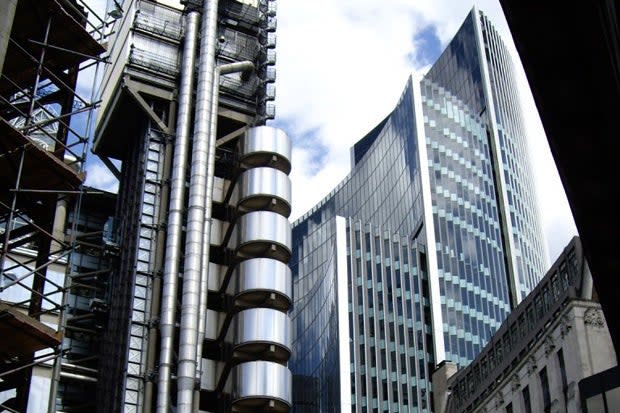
(198, 204)
(262, 386)
(266, 189)
(266, 146)
(262, 333)
(175, 216)
(263, 282)
(264, 234)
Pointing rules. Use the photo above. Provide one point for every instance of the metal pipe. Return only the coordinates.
(206, 242)
(204, 287)
(8, 408)
(186, 371)
(55, 79)
(79, 377)
(81, 317)
(34, 363)
(39, 71)
(79, 368)
(9, 221)
(175, 214)
(35, 271)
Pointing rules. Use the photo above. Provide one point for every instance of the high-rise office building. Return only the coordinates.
(197, 290)
(421, 252)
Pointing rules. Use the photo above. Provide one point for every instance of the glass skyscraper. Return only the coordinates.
(420, 253)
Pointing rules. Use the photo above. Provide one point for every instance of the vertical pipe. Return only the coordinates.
(206, 244)
(44, 243)
(9, 222)
(204, 274)
(186, 371)
(39, 70)
(175, 214)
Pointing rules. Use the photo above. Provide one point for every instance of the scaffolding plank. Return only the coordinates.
(41, 169)
(23, 335)
(66, 32)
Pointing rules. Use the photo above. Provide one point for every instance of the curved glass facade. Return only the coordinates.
(471, 257)
(516, 169)
(438, 245)
(390, 163)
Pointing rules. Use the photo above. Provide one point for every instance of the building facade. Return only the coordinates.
(198, 290)
(421, 252)
(538, 360)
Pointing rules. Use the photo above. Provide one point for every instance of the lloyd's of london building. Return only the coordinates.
(194, 289)
(423, 250)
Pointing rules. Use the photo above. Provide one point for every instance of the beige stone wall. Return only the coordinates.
(581, 332)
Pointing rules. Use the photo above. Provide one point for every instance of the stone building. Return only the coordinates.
(553, 344)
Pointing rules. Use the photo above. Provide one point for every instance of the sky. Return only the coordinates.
(341, 66)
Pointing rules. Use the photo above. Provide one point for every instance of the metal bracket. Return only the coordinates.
(147, 109)
(108, 163)
(232, 135)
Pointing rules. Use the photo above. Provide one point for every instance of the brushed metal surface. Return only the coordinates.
(265, 189)
(263, 281)
(266, 146)
(264, 234)
(262, 333)
(257, 382)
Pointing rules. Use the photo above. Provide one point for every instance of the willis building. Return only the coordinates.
(423, 250)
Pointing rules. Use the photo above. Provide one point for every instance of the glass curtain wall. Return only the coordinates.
(463, 122)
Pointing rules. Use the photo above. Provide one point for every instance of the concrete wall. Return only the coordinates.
(7, 12)
(440, 384)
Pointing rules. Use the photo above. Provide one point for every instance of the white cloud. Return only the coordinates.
(341, 68)
(99, 176)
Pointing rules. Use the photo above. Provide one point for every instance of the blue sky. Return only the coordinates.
(428, 48)
(342, 65)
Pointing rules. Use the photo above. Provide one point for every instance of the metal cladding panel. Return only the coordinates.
(260, 381)
(266, 326)
(264, 228)
(259, 276)
(266, 146)
(159, 20)
(265, 189)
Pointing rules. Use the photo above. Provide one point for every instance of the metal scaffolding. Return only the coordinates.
(44, 126)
